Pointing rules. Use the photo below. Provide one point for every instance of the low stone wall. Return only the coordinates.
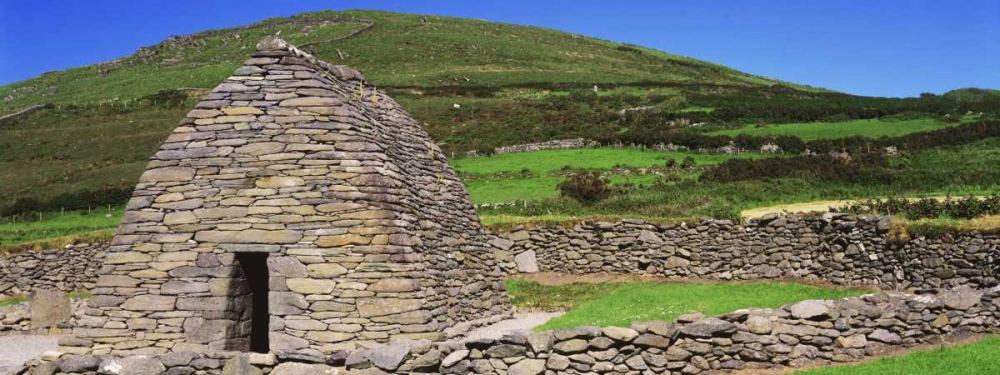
(839, 248)
(561, 144)
(71, 269)
(806, 333)
(54, 319)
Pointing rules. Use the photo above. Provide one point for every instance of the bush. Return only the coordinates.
(586, 187)
(928, 208)
(688, 163)
(866, 169)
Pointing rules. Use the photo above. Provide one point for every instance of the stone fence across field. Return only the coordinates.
(71, 269)
(842, 249)
(838, 248)
(560, 144)
(806, 333)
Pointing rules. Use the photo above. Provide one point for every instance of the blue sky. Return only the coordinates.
(885, 48)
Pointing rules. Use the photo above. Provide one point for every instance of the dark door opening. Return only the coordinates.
(254, 267)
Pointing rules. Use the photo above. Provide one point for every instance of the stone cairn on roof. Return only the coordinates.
(294, 209)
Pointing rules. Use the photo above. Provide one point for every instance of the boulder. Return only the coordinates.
(240, 365)
(810, 310)
(527, 367)
(295, 368)
(961, 298)
(389, 357)
(620, 333)
(49, 308)
(709, 328)
(526, 262)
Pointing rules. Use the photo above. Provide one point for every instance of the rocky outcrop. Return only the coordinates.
(802, 334)
(71, 269)
(838, 248)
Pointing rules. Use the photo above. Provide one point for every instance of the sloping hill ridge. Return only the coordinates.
(513, 84)
(392, 49)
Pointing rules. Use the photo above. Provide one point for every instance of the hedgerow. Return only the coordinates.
(927, 208)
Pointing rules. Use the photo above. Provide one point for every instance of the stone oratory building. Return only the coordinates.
(292, 209)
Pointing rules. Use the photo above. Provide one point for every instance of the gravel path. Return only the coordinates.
(520, 322)
(17, 349)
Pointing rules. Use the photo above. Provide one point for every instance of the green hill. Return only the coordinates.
(473, 84)
(392, 49)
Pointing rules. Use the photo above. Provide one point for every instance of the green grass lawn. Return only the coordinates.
(816, 130)
(959, 170)
(620, 304)
(589, 158)
(977, 358)
(488, 190)
(58, 225)
(11, 301)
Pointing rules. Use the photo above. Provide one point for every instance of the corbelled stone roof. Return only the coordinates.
(369, 233)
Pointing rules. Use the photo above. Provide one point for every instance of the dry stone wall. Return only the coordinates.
(71, 269)
(294, 209)
(806, 333)
(560, 144)
(839, 248)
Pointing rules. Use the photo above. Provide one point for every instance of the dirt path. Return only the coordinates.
(17, 349)
(520, 322)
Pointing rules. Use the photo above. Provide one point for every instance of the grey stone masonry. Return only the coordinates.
(839, 248)
(71, 269)
(807, 333)
(295, 179)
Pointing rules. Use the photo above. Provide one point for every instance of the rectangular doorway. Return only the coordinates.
(255, 281)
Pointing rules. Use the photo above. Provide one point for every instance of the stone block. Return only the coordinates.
(49, 308)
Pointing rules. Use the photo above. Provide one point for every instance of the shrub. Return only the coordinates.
(671, 163)
(586, 187)
(688, 163)
(926, 208)
(867, 169)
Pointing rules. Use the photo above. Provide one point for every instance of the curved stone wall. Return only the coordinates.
(839, 248)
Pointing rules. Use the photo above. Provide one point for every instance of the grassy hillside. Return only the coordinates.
(90, 145)
(832, 130)
(398, 50)
(513, 84)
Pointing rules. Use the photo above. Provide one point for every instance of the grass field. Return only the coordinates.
(11, 301)
(959, 171)
(531, 188)
(484, 189)
(873, 128)
(57, 225)
(587, 158)
(977, 358)
(68, 151)
(620, 304)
